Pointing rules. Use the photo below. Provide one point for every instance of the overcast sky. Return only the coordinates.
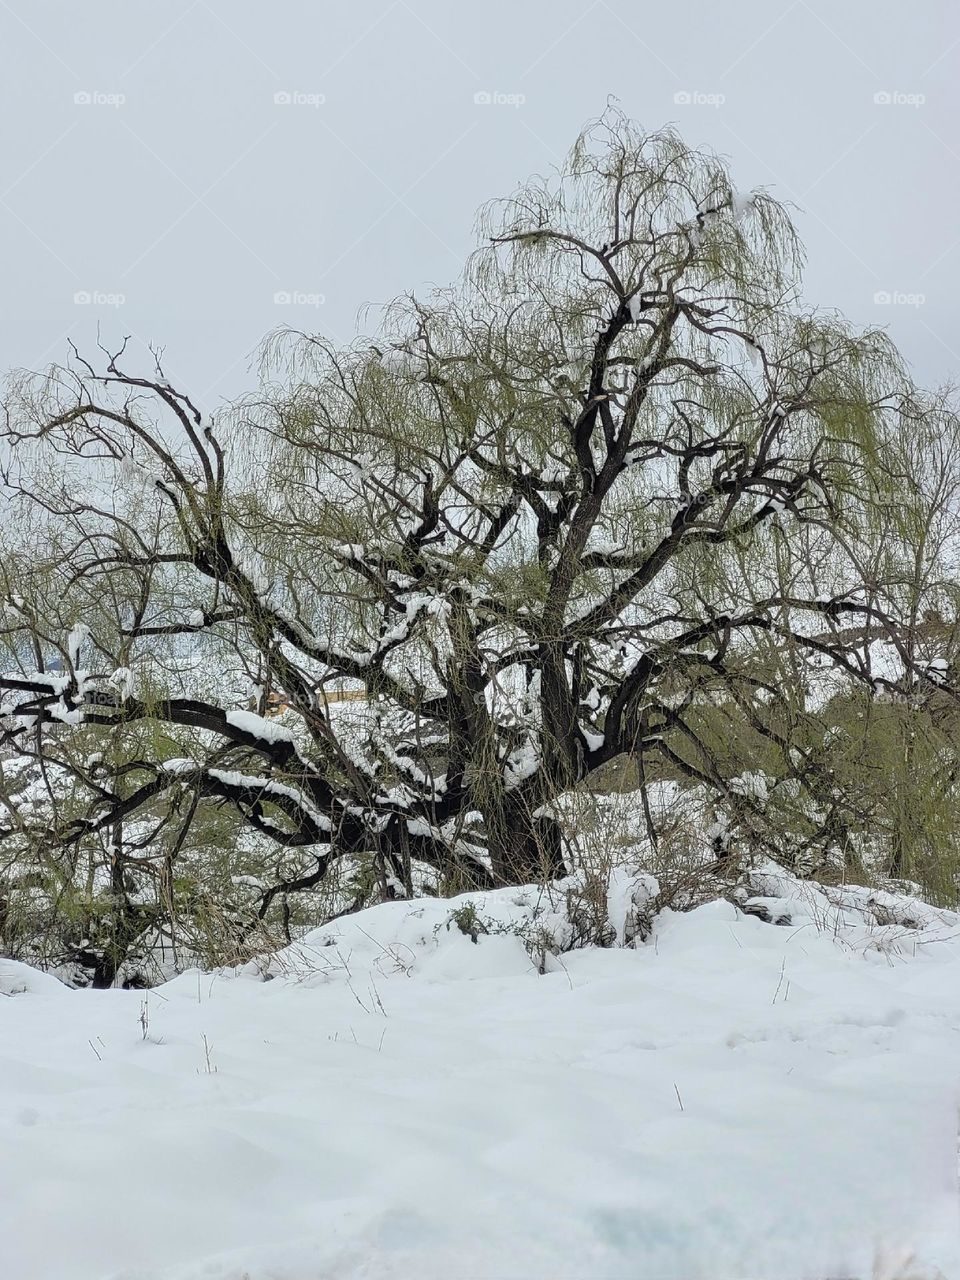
(174, 170)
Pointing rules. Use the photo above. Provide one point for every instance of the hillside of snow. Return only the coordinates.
(404, 1095)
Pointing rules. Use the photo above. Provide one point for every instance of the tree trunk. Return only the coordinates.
(523, 849)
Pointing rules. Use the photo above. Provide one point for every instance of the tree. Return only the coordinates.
(541, 521)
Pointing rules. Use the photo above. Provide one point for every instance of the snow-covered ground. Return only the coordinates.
(727, 1100)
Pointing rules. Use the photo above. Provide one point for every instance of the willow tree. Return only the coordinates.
(537, 521)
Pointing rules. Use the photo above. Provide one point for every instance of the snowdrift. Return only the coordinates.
(438, 1089)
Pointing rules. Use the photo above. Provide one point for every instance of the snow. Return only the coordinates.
(258, 726)
(179, 764)
(521, 764)
(123, 680)
(751, 785)
(397, 360)
(270, 787)
(57, 711)
(938, 671)
(55, 683)
(727, 1100)
(79, 634)
(742, 205)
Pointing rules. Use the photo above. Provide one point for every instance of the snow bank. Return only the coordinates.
(854, 916)
(19, 979)
(438, 938)
(403, 1094)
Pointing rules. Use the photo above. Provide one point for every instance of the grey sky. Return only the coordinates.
(177, 181)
